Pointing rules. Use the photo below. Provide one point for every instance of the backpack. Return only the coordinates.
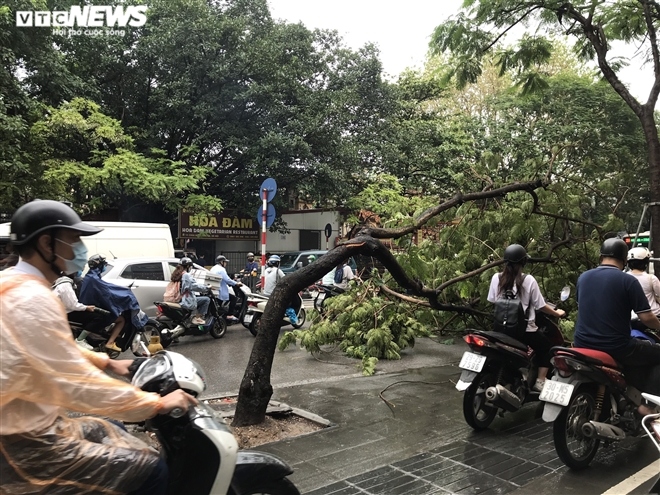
(509, 316)
(339, 274)
(173, 292)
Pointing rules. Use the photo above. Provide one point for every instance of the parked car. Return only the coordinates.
(147, 277)
(292, 261)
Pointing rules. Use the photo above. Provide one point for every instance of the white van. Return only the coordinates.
(122, 239)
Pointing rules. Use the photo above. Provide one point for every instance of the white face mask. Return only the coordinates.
(77, 264)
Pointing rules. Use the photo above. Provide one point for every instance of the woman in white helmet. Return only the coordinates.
(638, 262)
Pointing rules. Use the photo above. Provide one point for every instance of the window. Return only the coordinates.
(143, 271)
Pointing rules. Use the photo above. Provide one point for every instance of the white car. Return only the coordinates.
(147, 278)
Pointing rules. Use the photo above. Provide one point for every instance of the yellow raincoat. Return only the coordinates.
(42, 374)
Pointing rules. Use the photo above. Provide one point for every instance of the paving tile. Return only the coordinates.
(419, 460)
(340, 488)
(527, 476)
(515, 471)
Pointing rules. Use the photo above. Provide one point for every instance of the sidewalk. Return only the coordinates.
(368, 434)
(424, 445)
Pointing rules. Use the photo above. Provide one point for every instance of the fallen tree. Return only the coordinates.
(255, 389)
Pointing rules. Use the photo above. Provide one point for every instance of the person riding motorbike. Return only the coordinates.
(188, 298)
(273, 275)
(638, 263)
(98, 292)
(606, 296)
(43, 374)
(220, 269)
(513, 279)
(251, 266)
(65, 289)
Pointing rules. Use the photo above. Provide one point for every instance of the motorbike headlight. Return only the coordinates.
(151, 369)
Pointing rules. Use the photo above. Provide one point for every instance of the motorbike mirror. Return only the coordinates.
(565, 292)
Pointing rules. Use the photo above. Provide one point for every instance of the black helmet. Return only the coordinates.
(220, 259)
(96, 261)
(186, 262)
(515, 253)
(40, 215)
(614, 248)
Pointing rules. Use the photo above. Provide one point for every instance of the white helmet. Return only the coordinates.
(639, 253)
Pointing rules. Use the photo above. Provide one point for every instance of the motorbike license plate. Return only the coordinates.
(247, 318)
(471, 361)
(556, 392)
(321, 296)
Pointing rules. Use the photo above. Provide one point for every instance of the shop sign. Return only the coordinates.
(224, 225)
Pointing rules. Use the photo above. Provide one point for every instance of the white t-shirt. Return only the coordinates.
(271, 277)
(530, 293)
(651, 286)
(348, 276)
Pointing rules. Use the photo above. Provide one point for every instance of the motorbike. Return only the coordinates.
(499, 372)
(257, 305)
(641, 331)
(200, 450)
(588, 401)
(175, 321)
(132, 337)
(325, 292)
(651, 424)
(239, 307)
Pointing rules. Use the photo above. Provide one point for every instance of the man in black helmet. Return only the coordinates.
(606, 296)
(43, 373)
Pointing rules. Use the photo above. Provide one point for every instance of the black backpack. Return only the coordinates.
(509, 316)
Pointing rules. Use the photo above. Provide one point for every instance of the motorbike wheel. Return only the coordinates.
(277, 487)
(318, 305)
(219, 328)
(255, 324)
(152, 328)
(573, 448)
(302, 316)
(476, 413)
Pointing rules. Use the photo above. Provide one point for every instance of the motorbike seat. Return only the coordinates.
(591, 356)
(503, 338)
(171, 305)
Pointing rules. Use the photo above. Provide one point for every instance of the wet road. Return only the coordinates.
(515, 456)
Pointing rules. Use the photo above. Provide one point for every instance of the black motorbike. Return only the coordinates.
(131, 337)
(175, 321)
(235, 309)
(499, 372)
(323, 293)
(201, 452)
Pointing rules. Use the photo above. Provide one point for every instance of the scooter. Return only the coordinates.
(588, 401)
(241, 296)
(499, 372)
(200, 450)
(641, 331)
(131, 336)
(257, 305)
(325, 292)
(175, 321)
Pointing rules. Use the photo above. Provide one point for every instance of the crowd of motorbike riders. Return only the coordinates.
(44, 373)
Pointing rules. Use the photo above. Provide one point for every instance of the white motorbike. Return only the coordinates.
(201, 452)
(257, 305)
(651, 424)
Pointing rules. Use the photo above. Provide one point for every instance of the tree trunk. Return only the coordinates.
(653, 145)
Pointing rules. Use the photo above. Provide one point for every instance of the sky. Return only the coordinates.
(401, 30)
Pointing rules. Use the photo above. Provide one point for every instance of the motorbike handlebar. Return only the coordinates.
(101, 311)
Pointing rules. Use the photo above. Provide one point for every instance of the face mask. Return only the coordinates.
(79, 261)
